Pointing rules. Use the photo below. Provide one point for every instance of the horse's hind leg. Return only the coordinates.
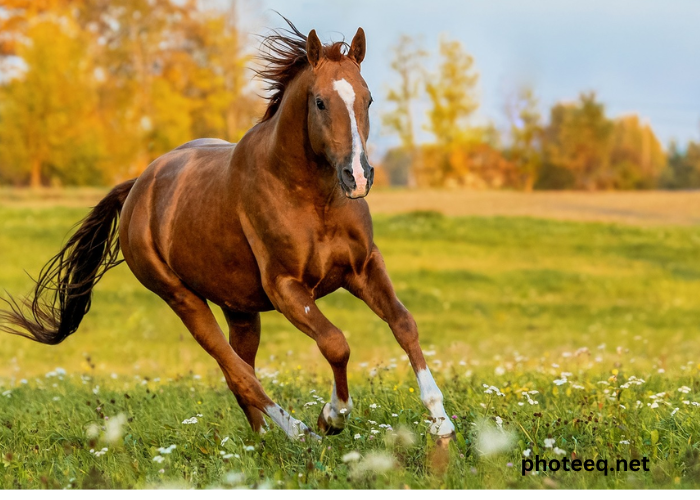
(244, 337)
(200, 321)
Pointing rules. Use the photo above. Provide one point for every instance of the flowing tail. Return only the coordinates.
(63, 292)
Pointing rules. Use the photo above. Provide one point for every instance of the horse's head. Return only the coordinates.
(338, 112)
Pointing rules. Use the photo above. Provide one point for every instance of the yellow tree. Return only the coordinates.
(637, 157)
(49, 128)
(452, 93)
(577, 143)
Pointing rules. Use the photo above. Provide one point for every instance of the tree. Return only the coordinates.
(577, 145)
(452, 93)
(636, 157)
(49, 128)
(103, 87)
(683, 169)
(526, 131)
(407, 64)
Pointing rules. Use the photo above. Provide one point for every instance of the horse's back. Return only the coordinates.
(206, 143)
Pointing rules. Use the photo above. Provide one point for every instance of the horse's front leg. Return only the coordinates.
(374, 287)
(296, 302)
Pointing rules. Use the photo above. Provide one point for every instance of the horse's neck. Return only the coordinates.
(291, 157)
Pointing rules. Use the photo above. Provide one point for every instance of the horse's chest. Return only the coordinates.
(329, 260)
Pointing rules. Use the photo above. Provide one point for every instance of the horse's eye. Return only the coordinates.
(319, 103)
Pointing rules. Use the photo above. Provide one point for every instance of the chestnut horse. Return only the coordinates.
(273, 222)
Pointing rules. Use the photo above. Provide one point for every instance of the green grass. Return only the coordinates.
(508, 302)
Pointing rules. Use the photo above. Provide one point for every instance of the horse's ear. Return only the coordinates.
(358, 46)
(313, 48)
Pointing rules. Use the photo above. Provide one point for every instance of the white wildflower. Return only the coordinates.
(357, 436)
(374, 462)
(491, 440)
(234, 478)
(158, 459)
(549, 442)
(114, 431)
(192, 420)
(92, 431)
(352, 456)
(559, 451)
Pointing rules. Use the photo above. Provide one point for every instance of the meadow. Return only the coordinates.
(555, 338)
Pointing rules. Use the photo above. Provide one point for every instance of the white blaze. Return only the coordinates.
(347, 94)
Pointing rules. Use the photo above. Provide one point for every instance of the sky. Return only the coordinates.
(639, 56)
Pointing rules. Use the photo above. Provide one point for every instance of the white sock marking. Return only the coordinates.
(432, 399)
(291, 426)
(347, 94)
(337, 411)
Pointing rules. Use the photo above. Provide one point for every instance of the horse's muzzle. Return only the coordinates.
(356, 184)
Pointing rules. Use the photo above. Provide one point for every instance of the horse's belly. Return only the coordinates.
(226, 274)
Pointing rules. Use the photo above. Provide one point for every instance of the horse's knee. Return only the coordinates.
(334, 347)
(405, 329)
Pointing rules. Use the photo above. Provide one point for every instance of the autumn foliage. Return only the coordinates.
(91, 91)
(577, 147)
(94, 90)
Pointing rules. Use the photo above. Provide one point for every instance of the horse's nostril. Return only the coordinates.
(370, 178)
(348, 178)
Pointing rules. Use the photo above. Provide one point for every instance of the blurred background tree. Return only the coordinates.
(100, 88)
(91, 91)
(407, 63)
(526, 131)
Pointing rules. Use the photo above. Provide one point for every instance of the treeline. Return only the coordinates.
(94, 90)
(577, 146)
(91, 91)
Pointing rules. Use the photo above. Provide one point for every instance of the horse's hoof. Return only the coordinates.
(444, 441)
(324, 427)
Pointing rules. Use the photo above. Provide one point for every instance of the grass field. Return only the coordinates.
(588, 330)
